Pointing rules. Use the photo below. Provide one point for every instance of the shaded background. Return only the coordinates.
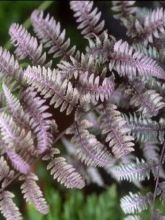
(93, 202)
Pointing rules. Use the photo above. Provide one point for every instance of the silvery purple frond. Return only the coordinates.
(107, 101)
(49, 31)
(26, 45)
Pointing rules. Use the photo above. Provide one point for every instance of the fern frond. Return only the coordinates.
(138, 171)
(15, 108)
(88, 83)
(89, 149)
(88, 18)
(8, 208)
(18, 162)
(149, 102)
(135, 202)
(114, 126)
(8, 65)
(5, 171)
(33, 194)
(101, 49)
(64, 173)
(49, 31)
(14, 136)
(49, 84)
(128, 62)
(144, 129)
(152, 27)
(41, 122)
(26, 45)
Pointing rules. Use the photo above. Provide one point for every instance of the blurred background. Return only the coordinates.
(93, 202)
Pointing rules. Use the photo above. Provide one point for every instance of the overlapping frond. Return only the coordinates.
(48, 82)
(88, 82)
(114, 126)
(128, 62)
(41, 121)
(26, 45)
(88, 18)
(49, 31)
(135, 202)
(7, 206)
(33, 194)
(88, 149)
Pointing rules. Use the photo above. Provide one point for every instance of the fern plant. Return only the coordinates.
(113, 93)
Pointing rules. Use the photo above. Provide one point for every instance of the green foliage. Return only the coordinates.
(14, 11)
(76, 206)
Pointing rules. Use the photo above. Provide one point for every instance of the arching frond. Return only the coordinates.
(26, 45)
(48, 82)
(8, 208)
(135, 202)
(114, 126)
(50, 33)
(128, 62)
(33, 194)
(88, 18)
